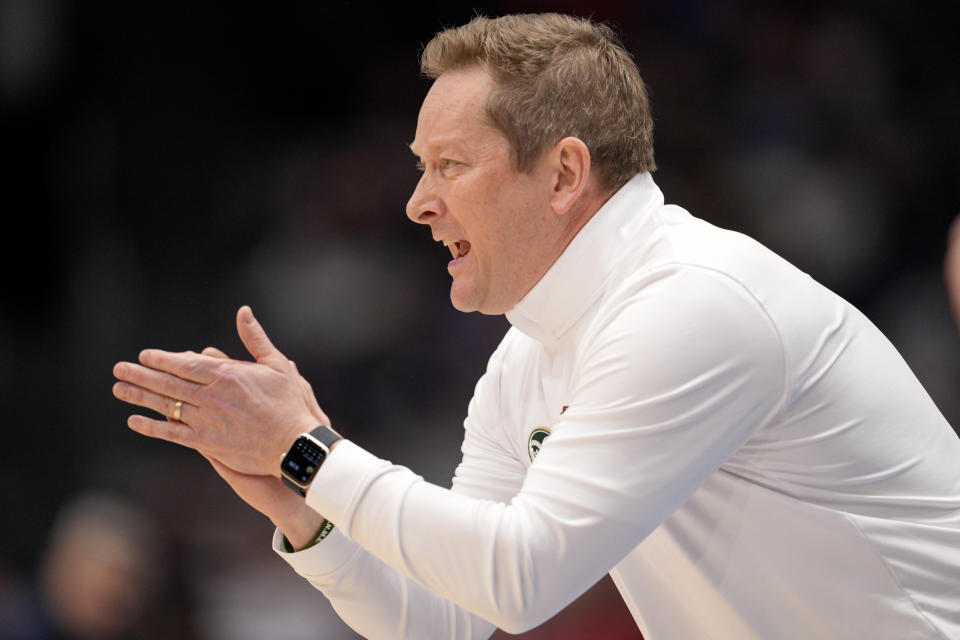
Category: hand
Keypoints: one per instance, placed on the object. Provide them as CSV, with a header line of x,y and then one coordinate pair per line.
x,y
243,414
288,511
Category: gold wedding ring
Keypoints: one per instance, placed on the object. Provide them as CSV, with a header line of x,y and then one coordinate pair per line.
x,y
177,408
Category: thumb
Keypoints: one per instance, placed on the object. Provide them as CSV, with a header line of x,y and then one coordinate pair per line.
x,y
255,339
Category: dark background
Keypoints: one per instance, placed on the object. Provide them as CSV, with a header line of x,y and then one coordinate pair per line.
x,y
166,163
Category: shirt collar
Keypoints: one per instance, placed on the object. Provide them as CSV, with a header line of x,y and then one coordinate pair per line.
x,y
575,281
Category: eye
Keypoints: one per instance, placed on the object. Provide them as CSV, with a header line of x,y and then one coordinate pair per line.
x,y
443,165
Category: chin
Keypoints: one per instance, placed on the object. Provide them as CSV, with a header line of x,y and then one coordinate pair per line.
x,y
464,303
469,300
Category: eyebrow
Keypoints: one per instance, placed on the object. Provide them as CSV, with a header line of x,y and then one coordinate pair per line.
x,y
444,143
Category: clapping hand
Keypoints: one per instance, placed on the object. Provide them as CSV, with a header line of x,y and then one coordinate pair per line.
x,y
242,414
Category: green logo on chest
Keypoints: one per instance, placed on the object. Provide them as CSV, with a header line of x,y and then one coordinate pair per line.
x,y
537,437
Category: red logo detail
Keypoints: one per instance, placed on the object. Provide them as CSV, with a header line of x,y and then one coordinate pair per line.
x,y
565,407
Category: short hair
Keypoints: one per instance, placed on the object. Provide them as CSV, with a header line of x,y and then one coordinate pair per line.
x,y
555,76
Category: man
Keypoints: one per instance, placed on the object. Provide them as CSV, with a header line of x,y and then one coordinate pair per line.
x,y
739,448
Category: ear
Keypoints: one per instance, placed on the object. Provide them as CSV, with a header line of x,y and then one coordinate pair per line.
x,y
571,164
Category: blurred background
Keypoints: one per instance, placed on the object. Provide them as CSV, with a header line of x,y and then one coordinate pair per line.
x,y
167,163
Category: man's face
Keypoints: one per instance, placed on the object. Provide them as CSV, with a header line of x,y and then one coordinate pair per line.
x,y
496,221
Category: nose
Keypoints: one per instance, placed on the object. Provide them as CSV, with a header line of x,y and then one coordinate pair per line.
x,y
424,205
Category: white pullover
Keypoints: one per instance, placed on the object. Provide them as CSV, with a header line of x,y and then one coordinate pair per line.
x,y
740,448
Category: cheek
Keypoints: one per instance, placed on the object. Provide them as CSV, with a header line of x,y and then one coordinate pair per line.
x,y
499,218
481,217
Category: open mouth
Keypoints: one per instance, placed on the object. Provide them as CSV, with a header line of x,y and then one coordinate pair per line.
x,y
458,248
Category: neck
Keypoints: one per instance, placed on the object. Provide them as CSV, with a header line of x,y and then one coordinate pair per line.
x,y
582,211
579,275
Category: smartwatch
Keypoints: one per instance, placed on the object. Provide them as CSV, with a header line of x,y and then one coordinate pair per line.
x,y
301,463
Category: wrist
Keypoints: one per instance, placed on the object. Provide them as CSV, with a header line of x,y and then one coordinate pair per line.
x,y
299,527
326,528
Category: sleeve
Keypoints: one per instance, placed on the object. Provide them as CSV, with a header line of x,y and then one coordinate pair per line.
x,y
668,385
376,600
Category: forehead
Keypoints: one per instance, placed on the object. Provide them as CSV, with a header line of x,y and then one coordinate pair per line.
x,y
452,113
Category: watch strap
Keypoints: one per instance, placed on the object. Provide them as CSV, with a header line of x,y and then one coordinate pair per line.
x,y
325,435
293,486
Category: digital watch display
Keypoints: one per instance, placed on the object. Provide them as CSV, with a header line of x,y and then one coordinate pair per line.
x,y
308,452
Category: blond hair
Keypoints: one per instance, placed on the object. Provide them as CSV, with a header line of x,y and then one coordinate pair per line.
x,y
555,76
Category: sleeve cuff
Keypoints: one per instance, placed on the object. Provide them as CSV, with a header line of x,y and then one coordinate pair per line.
x,y
322,560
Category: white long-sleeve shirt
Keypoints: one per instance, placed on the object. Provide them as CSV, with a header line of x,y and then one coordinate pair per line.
x,y
740,448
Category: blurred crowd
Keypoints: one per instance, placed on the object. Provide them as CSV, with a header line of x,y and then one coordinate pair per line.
x,y
166,165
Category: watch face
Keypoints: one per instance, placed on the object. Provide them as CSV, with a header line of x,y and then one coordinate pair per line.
x,y
302,461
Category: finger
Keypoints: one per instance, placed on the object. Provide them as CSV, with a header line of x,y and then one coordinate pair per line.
x,y
213,352
141,397
156,381
171,431
255,339
187,365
